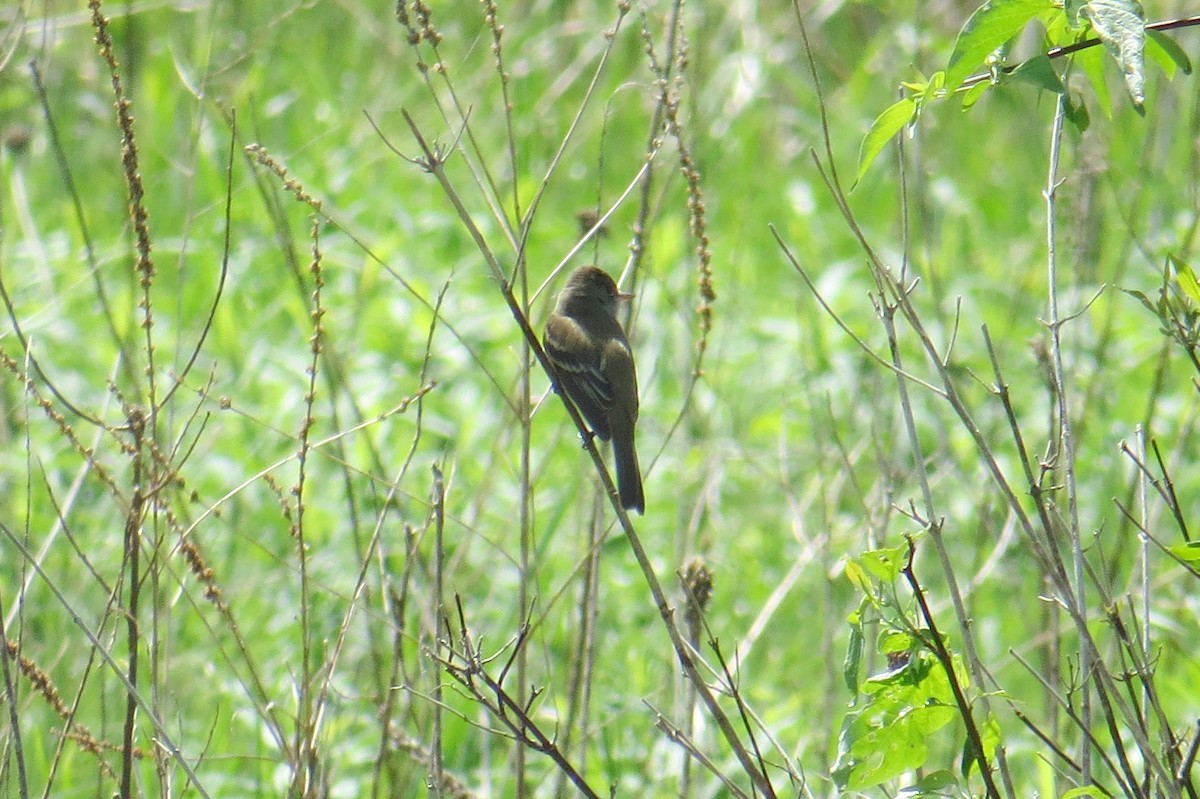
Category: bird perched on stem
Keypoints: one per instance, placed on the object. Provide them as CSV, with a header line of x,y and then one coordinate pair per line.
x,y
593,365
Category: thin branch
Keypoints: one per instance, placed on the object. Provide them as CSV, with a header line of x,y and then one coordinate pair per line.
x,y
938,646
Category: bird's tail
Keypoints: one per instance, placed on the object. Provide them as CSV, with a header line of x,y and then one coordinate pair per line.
x,y
629,476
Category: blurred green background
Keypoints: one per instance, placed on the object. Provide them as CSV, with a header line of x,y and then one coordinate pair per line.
x,y
786,457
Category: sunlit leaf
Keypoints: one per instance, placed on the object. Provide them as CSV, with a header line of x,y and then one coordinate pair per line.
x,y
992,24
882,752
1167,53
895,641
972,95
1188,553
857,577
1121,25
1058,31
1186,278
1071,11
884,564
885,126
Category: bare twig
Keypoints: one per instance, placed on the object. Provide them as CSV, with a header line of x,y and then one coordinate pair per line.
x,y
678,736
937,645
466,664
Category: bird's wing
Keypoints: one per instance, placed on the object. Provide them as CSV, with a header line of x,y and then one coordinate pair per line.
x,y
620,375
577,366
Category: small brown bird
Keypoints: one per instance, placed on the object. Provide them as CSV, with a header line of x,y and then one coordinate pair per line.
x,y
594,366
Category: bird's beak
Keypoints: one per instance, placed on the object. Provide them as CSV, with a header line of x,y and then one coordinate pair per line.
x,y
623,296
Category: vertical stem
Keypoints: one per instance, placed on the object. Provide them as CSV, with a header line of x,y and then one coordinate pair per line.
x,y
306,722
10,698
1066,444
439,599
525,404
133,524
575,724
1139,435
637,245
10,688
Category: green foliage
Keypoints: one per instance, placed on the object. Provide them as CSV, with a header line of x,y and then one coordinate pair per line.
x,y
303,442
1039,73
991,25
1167,53
1188,552
1080,792
1121,25
891,726
889,734
896,117
1177,305
977,62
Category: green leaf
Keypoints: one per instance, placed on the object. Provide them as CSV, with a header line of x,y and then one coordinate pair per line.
x,y
892,641
992,24
972,95
1059,31
875,753
989,734
1081,792
1141,297
1039,72
1071,11
1077,114
967,759
884,564
858,578
1189,286
885,126
1121,25
889,732
1167,53
1188,553
1091,61
901,671
1186,278
853,658
932,784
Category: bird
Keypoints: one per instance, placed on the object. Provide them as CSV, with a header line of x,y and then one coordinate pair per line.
x,y
593,365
